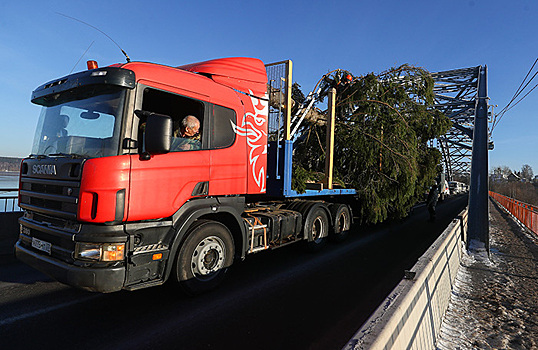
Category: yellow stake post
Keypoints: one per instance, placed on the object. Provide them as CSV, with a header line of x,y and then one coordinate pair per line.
x,y
329,154
287,122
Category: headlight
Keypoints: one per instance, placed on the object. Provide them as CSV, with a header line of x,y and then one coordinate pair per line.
x,y
100,252
89,251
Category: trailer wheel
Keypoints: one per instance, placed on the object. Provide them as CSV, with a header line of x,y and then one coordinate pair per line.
x,y
316,227
204,257
341,222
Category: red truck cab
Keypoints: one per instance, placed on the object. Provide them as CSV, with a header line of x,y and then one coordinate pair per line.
x,y
107,198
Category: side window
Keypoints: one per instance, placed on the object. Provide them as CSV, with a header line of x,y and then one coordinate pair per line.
x,y
222,133
187,116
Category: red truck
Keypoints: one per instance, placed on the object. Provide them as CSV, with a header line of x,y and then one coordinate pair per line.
x,y
110,204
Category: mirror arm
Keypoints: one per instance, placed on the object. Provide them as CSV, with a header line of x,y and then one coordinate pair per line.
x,y
145,156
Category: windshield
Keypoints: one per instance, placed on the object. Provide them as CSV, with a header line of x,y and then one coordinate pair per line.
x,y
81,123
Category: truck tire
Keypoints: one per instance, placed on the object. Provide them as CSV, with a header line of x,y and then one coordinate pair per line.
x,y
299,206
341,222
204,257
316,228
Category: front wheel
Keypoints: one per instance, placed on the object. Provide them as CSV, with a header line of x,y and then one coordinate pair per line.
x,y
204,257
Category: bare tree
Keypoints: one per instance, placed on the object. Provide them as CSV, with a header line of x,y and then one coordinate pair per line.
x,y
501,172
526,172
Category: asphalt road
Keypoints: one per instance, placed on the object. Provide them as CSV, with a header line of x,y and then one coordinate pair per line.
x,y
284,299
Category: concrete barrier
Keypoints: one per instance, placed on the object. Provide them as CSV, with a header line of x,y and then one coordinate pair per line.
x,y
9,232
411,316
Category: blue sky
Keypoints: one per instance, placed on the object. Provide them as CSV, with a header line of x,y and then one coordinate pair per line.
x,y
38,45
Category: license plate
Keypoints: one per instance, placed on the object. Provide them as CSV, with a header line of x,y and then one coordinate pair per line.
x,y
41,245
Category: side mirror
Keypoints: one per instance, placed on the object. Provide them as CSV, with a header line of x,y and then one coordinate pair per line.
x,y
158,135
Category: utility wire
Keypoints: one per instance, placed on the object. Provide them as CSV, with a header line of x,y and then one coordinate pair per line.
x,y
518,92
518,89
516,95
509,106
515,104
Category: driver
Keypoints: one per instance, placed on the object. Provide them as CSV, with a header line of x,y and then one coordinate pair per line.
x,y
187,137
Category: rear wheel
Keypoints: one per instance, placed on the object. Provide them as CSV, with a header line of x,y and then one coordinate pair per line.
x,y
341,222
204,257
316,227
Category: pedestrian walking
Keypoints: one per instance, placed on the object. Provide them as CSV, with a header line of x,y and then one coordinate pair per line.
x,y
431,202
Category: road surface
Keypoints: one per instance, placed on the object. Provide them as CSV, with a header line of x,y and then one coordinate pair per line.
x,y
284,299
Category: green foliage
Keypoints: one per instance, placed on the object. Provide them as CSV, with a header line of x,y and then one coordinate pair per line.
x,y
383,125
299,179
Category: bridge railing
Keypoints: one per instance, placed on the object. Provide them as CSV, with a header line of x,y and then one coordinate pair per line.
x,y
411,315
527,214
9,201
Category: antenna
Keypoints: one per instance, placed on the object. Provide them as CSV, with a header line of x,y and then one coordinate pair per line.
x,y
81,57
100,31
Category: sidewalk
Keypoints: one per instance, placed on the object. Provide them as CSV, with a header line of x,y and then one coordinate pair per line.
x,y
494,303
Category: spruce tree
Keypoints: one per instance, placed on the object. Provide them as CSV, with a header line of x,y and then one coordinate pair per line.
x,y
383,125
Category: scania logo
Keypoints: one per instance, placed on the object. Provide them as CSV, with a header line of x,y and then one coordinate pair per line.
x,y
44,169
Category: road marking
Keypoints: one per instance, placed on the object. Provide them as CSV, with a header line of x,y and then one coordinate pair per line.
x,y
34,313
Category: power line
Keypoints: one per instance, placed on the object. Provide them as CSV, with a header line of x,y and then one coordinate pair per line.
x,y
518,89
518,92
522,98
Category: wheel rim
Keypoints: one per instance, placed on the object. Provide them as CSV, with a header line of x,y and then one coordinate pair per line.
x,y
343,223
318,229
208,258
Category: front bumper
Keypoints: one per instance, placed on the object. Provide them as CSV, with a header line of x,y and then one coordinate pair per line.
x,y
104,280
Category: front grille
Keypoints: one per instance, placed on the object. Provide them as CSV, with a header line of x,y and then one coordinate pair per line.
x,y
44,188
50,196
49,192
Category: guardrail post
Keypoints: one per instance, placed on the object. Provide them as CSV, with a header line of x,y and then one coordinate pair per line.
x,y
478,233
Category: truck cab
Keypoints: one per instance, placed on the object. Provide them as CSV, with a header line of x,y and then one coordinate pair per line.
x,y
105,193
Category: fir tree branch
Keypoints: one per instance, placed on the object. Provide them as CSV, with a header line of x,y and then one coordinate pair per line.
x,y
386,104
387,147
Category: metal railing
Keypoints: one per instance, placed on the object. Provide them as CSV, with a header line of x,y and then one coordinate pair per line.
x,y
9,200
527,214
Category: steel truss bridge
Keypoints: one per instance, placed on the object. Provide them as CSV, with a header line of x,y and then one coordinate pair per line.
x,y
456,95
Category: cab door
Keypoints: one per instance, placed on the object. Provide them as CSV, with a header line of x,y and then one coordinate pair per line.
x,y
162,184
